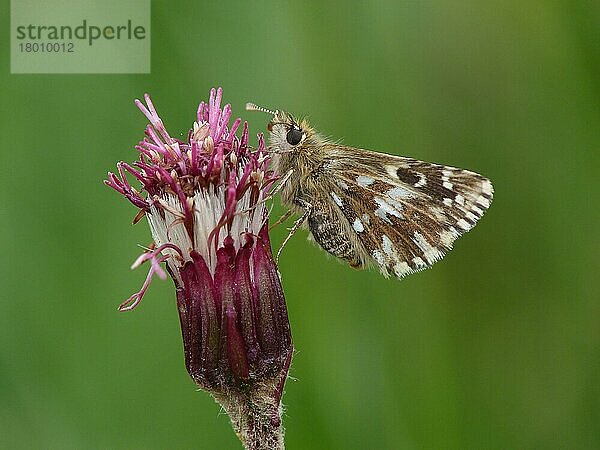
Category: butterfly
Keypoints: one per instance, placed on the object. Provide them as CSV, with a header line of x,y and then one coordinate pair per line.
x,y
368,208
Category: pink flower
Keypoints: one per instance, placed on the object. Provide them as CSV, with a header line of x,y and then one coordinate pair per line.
x,y
204,199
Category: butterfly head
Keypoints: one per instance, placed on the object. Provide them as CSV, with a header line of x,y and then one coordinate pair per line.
x,y
286,132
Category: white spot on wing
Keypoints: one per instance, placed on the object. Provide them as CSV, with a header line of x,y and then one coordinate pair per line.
x,y
336,199
459,199
392,170
486,187
421,242
378,256
387,245
483,201
419,262
422,180
447,238
448,185
448,201
401,269
385,208
477,210
438,213
366,219
382,215
358,225
399,193
463,224
364,181
472,217
431,253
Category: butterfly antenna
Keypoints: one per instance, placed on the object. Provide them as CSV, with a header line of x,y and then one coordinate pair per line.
x,y
253,107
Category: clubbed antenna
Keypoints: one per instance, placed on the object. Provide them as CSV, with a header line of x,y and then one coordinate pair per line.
x,y
253,107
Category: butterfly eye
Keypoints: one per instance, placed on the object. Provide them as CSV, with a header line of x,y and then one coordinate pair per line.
x,y
294,136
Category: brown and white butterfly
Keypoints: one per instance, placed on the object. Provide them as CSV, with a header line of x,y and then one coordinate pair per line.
x,y
365,207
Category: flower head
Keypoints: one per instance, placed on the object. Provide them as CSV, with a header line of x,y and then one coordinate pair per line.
x,y
204,199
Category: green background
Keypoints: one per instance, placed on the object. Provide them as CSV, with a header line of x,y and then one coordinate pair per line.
x,y
496,347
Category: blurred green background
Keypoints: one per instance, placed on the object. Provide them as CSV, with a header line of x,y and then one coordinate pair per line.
x,y
496,347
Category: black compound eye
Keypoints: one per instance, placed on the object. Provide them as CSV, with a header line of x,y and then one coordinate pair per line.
x,y
294,136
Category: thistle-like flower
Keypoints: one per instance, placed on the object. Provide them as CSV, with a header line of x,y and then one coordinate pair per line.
x,y
204,199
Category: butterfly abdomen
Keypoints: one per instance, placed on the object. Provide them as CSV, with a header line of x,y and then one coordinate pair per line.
x,y
331,236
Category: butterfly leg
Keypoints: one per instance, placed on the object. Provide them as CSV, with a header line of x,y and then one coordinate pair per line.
x,y
281,183
308,208
281,219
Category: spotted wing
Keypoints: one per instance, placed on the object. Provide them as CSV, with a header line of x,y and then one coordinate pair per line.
x,y
406,213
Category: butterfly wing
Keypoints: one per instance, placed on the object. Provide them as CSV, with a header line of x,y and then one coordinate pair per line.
x,y
406,213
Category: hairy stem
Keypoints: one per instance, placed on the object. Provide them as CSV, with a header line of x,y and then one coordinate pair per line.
x,y
255,416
